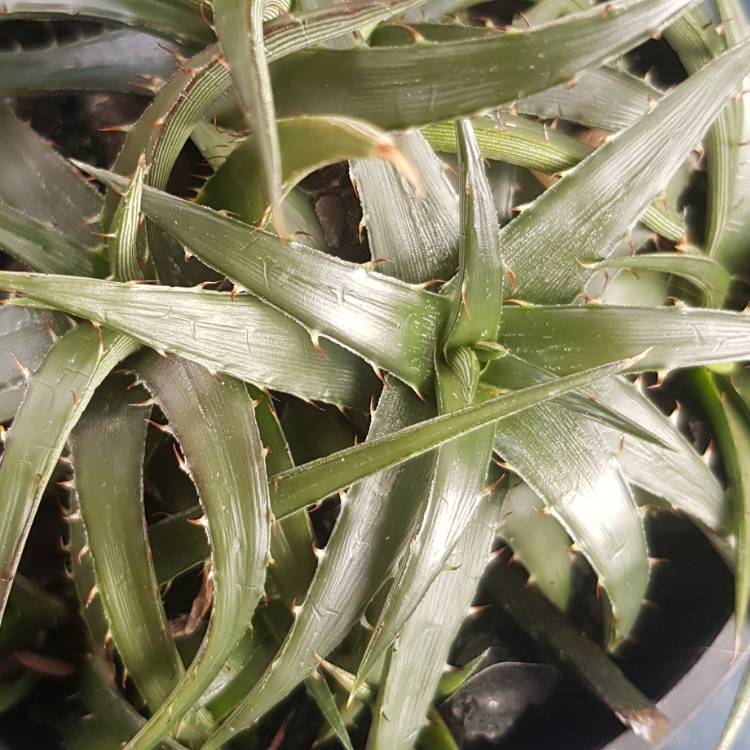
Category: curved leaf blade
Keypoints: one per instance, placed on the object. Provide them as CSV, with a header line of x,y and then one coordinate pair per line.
x,y
25,338
240,336
414,667
225,460
475,315
180,20
43,185
710,278
567,338
122,60
110,501
402,87
539,543
307,144
624,175
385,321
520,141
239,27
75,366
44,248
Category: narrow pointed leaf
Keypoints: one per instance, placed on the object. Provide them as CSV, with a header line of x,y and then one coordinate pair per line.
x,y
180,20
512,372
458,484
240,336
518,140
673,470
413,240
307,144
711,279
25,338
575,652
110,501
110,719
414,666
401,87
123,245
371,531
584,490
618,181
215,425
603,98
56,396
476,311
43,185
567,338
728,151
122,60
732,433
239,27
315,480
539,543
384,320
45,248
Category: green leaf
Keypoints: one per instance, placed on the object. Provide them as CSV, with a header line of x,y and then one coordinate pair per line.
x,y
107,449
476,311
512,372
307,144
401,87
240,336
109,719
539,543
673,471
239,27
122,60
520,141
710,278
414,665
413,240
728,152
124,243
207,79
567,338
44,248
386,321
561,457
543,622
604,98
317,479
56,396
179,20
224,459
609,191
732,433
384,507
458,484
25,338
43,185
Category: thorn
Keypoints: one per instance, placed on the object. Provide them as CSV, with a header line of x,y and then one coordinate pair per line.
x,y
161,427
92,595
25,372
181,462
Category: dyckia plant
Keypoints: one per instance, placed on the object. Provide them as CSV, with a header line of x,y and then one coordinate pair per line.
x,y
485,361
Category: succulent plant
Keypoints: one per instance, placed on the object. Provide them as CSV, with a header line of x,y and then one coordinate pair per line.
x,y
528,260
